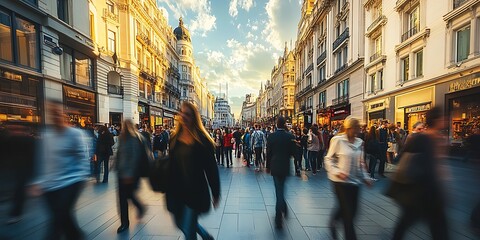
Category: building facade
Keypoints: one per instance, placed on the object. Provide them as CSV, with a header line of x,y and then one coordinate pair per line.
x,y
329,62
46,52
421,57
248,114
222,114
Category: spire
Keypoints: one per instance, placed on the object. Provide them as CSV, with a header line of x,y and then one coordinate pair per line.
x,y
286,49
180,21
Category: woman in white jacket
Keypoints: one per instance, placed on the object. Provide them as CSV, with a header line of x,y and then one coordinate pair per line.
x,y
346,169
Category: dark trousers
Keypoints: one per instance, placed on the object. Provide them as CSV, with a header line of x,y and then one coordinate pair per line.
x,y
105,160
382,156
125,192
321,152
21,178
186,220
219,154
60,204
347,198
312,158
297,160
258,156
247,155
227,151
372,164
305,157
434,215
281,205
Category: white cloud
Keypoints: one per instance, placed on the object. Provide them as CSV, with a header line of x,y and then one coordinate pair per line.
x,y
244,4
203,20
282,22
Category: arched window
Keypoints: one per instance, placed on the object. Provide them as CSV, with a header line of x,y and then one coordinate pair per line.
x,y
183,51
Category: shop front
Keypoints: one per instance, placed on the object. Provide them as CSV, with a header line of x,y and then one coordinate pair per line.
x,y
376,112
412,107
168,119
19,94
338,116
323,116
80,106
144,114
463,108
156,117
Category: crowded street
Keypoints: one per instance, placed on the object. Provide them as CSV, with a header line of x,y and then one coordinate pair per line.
x,y
247,209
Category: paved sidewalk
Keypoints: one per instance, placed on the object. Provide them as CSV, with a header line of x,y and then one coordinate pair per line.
x,y
248,207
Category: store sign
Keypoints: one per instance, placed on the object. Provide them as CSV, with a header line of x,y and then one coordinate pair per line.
x,y
418,108
155,112
376,105
78,95
466,83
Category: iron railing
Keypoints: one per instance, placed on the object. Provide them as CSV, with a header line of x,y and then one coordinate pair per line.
x,y
410,32
340,39
340,100
458,3
115,89
321,57
375,56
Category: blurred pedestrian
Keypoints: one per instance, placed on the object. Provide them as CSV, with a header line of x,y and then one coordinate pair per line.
x,y
394,143
192,172
228,142
103,151
247,154
237,135
372,149
129,151
218,139
418,187
258,143
382,134
313,147
298,152
346,169
304,143
63,167
280,149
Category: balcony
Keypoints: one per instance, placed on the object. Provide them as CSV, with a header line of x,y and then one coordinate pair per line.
x,y
340,69
340,100
308,70
321,105
322,81
115,89
321,57
381,20
144,38
107,15
458,3
375,56
412,31
340,39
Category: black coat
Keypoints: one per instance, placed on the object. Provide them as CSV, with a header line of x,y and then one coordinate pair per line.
x,y
104,144
280,148
188,184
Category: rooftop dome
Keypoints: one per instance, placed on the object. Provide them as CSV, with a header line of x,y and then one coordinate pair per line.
x,y
181,32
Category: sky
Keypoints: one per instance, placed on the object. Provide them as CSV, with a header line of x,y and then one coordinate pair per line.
x,y
236,41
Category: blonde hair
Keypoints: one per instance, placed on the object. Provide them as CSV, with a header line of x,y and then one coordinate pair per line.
x,y
198,131
128,129
350,122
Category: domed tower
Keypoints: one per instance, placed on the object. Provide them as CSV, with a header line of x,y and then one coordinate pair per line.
x,y
186,63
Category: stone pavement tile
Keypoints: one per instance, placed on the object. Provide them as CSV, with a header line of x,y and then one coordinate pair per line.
x,y
318,233
311,220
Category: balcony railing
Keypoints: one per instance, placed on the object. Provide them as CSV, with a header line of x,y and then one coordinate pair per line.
x,y
142,36
340,100
115,89
340,69
109,15
321,105
458,3
376,22
340,39
322,81
309,69
375,56
412,31
321,57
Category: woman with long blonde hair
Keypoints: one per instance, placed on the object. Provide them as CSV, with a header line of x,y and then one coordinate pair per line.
x,y
192,158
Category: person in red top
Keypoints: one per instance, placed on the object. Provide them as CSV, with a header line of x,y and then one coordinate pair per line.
x,y
228,146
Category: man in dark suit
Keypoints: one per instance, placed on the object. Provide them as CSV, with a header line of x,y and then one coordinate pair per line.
x,y
382,139
280,149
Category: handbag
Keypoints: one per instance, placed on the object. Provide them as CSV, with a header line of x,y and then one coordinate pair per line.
x,y
159,173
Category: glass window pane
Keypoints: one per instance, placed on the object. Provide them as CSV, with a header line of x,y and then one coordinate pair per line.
x,y
66,64
463,44
27,43
419,63
82,69
380,80
5,37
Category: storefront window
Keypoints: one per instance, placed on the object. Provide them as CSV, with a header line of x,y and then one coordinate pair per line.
x,y
82,69
5,37
27,43
464,117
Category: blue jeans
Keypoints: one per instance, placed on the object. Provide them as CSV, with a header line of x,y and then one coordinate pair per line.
x,y
186,220
312,157
281,205
305,157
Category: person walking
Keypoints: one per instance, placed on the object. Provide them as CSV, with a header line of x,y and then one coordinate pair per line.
x,y
322,149
313,148
372,149
258,143
160,141
383,141
345,165
63,168
218,139
237,135
103,151
247,155
131,144
228,141
298,152
304,143
418,188
193,174
280,149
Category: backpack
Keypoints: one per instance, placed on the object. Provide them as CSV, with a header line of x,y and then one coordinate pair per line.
x,y
146,157
257,139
